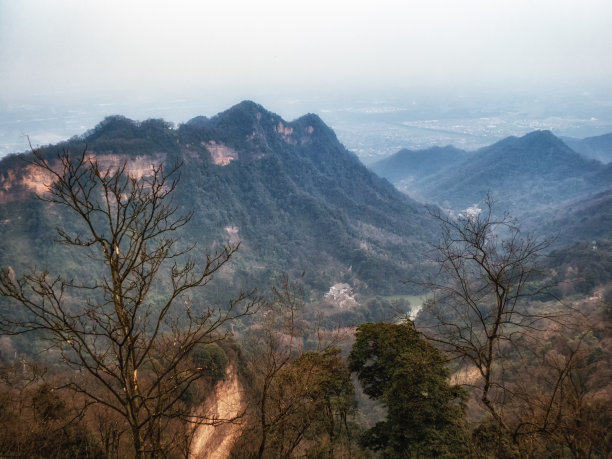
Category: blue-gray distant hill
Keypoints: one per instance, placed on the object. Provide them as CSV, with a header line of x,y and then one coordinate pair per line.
x,y
406,166
585,219
599,147
524,174
298,201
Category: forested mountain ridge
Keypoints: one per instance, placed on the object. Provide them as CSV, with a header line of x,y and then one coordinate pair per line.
x,y
408,165
524,174
298,201
585,219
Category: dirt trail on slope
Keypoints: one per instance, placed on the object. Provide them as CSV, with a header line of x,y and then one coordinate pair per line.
x,y
226,402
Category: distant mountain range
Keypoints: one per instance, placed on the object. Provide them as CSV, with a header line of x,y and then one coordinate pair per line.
x,y
298,201
533,176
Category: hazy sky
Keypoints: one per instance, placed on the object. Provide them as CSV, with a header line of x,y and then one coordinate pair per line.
x,y
240,48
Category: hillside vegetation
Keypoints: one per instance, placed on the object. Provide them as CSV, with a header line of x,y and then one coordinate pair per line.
x,y
242,286
294,197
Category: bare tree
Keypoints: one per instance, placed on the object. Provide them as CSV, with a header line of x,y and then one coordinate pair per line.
x,y
130,332
478,312
36,421
299,399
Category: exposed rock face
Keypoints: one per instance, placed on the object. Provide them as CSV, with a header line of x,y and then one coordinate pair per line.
x,y
16,183
224,406
221,154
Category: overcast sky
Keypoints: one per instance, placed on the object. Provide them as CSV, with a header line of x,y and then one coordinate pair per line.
x,y
243,47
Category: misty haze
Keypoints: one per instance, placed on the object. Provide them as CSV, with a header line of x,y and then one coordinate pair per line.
x,y
330,229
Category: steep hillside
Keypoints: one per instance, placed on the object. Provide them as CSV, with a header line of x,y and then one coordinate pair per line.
x,y
298,201
588,219
406,166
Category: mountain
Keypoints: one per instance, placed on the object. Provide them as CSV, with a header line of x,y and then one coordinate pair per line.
x,y
586,219
599,147
582,228
298,201
525,174
406,166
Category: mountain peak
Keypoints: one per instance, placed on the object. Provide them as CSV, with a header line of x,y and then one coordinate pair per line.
x,y
311,123
248,105
537,144
262,128
540,133
245,113
247,109
543,135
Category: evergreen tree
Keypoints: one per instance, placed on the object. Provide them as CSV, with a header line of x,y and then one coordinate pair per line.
x,y
408,375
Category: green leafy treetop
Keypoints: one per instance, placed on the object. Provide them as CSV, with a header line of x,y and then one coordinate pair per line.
x,y
408,375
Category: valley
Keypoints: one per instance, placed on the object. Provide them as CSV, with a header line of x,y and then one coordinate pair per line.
x,y
465,274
